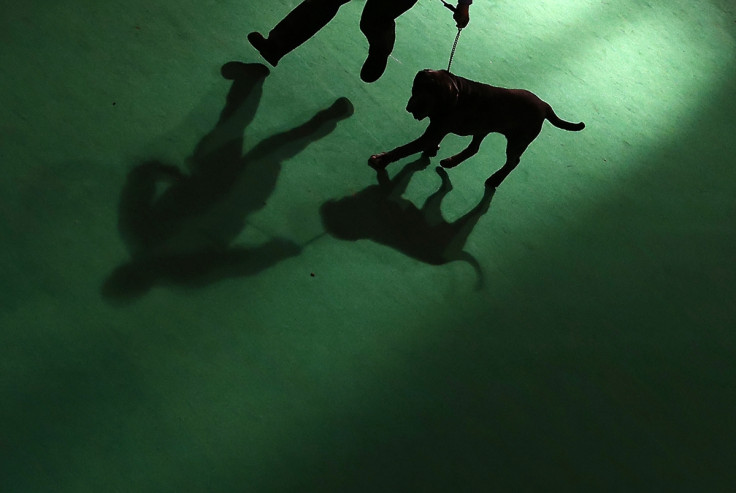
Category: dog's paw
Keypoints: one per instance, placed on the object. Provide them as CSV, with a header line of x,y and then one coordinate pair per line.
x,y
431,152
448,163
378,161
493,182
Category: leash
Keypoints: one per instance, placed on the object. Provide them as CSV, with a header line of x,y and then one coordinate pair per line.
x,y
457,37
454,45
449,6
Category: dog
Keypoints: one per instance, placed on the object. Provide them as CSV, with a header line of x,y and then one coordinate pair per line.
x,y
464,107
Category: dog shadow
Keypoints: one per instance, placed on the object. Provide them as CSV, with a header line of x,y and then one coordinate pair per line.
x,y
379,213
179,227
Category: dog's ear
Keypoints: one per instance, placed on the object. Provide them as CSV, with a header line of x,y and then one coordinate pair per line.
x,y
424,78
447,85
441,88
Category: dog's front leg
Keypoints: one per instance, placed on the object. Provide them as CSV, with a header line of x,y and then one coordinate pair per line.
x,y
429,142
461,156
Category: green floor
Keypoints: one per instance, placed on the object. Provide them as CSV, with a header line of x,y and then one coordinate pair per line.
x,y
227,340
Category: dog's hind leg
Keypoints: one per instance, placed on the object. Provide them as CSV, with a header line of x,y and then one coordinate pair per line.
x,y
515,147
461,156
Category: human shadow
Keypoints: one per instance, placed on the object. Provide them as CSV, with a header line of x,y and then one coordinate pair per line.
x,y
179,227
379,213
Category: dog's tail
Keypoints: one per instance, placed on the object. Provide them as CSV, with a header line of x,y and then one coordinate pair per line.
x,y
560,123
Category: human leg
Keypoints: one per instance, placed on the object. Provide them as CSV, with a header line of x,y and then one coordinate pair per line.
x,y
378,24
297,27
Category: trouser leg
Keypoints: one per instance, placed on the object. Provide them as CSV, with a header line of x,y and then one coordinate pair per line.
x,y
378,24
297,27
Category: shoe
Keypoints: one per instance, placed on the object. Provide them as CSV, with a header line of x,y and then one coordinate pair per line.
x,y
262,45
373,67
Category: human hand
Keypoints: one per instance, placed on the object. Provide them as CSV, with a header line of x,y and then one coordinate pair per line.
x,y
462,15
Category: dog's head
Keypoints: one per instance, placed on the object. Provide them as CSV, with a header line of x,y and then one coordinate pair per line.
x,y
433,92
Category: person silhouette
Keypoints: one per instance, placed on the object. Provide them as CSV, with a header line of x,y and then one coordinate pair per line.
x,y
378,24
182,228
